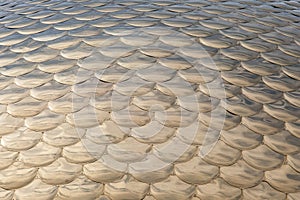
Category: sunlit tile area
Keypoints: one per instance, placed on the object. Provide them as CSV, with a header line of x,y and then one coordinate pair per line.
x,y
154,100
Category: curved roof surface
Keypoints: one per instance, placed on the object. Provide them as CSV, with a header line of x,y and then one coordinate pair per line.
x,y
154,99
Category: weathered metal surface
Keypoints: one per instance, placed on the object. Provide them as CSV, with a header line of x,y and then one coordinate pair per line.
x,y
154,99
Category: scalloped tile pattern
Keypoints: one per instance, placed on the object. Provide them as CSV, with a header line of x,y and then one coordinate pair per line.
x,y
159,99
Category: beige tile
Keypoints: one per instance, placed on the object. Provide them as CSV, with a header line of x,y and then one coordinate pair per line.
x,y
114,74
263,123
258,45
9,123
91,87
134,86
49,91
59,172
50,66
26,46
37,27
175,62
197,134
6,194
138,39
222,154
160,14
13,39
172,188
128,150
260,67
105,170
150,170
36,190
281,82
241,77
33,79
255,27
16,176
176,40
196,171
198,102
106,133
30,105
110,101
198,74
261,93
220,62
283,111
40,155
8,57
241,137
280,58
46,120
197,51
174,150
275,38
263,158
48,35
7,158
239,53
149,100
21,139
199,31
77,51
284,179
86,14
293,128
283,142
293,196
132,116
292,71
73,76
216,24
53,19
175,117
241,170
17,68
157,49
153,101
80,188
153,132
85,151
263,190
68,25
293,161
109,22
128,188
217,41
177,87
241,105
63,42
220,119
135,60
95,61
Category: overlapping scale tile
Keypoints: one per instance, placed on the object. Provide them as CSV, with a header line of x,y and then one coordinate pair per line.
x,y
149,100
80,188
263,190
128,188
172,188
17,175
59,172
218,189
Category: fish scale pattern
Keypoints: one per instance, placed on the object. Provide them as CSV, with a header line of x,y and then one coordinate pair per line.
x,y
95,93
